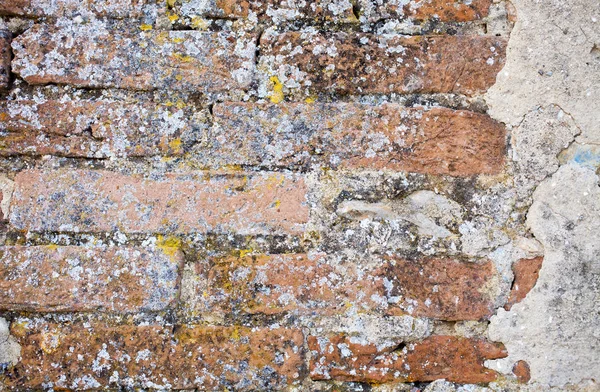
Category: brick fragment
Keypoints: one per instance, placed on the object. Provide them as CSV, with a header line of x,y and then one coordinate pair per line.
x,y
526,272
5,58
455,359
97,356
522,372
92,55
350,135
349,63
98,128
103,201
72,278
442,10
301,284
86,8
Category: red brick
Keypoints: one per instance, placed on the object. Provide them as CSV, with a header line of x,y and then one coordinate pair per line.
x,y
5,58
59,8
72,278
455,359
299,284
522,372
274,11
526,273
97,128
82,356
350,135
442,10
349,63
71,200
90,55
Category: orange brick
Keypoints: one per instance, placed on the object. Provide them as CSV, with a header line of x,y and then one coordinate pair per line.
x,y
442,10
349,63
526,273
72,278
95,355
97,128
90,55
296,283
455,359
103,201
350,135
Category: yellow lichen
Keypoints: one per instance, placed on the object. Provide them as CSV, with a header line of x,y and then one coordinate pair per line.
x,y
310,99
52,247
171,3
277,203
235,334
199,23
178,77
245,252
175,145
168,245
277,95
145,27
177,40
173,18
182,57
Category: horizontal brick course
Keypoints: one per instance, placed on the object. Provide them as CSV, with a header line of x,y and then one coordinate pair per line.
x,y
98,128
437,288
97,355
72,278
349,63
442,10
92,55
58,8
275,11
455,359
349,135
73,200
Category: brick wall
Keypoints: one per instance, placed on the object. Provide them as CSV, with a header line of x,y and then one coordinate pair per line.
x,y
253,195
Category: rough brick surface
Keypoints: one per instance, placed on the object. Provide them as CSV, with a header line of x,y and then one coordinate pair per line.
x,y
526,275
72,278
388,136
442,10
348,63
100,201
58,8
98,128
92,55
461,360
5,58
93,355
276,11
302,284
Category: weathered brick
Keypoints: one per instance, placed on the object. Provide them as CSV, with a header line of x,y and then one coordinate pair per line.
x,y
455,359
275,11
59,8
97,128
526,272
92,55
100,201
442,10
297,283
5,58
522,371
82,356
72,278
350,135
305,63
